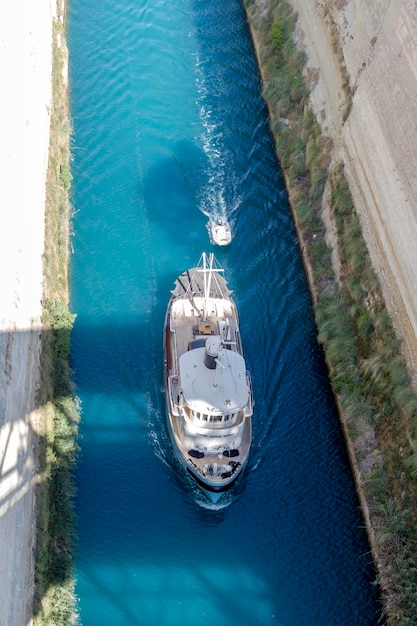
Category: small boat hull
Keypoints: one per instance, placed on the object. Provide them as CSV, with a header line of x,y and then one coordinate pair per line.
x,y
220,232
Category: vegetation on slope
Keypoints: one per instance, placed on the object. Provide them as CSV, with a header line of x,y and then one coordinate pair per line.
x,y
378,406
54,601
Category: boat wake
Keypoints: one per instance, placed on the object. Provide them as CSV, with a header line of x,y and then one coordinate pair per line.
x,y
218,197
226,501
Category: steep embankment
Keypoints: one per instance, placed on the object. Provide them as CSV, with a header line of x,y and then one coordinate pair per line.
x,y
358,80
25,61
362,62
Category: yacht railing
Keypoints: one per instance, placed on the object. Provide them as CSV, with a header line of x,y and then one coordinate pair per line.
x,y
249,406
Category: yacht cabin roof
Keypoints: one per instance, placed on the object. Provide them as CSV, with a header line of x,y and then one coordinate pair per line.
x,y
213,391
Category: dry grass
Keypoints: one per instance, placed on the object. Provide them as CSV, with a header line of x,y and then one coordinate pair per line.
x,y
54,601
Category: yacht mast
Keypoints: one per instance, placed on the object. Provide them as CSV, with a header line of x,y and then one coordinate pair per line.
x,y
207,270
207,286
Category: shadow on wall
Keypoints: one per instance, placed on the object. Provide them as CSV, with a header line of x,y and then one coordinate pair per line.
x,y
36,463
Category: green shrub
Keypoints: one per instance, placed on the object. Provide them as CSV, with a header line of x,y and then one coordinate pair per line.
x,y
276,37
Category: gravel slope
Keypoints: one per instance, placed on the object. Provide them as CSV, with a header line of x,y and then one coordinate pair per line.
x,y
25,70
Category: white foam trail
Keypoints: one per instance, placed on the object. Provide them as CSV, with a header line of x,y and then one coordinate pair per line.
x,y
212,200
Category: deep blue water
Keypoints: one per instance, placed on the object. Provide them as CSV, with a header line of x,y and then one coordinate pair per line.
x,y
169,127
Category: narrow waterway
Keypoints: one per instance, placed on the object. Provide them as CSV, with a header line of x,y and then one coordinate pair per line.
x,y
170,127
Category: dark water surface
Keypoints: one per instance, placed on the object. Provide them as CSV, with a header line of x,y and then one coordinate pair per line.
x,y
170,127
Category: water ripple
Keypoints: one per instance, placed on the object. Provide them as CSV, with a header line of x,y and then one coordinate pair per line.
x,y
169,128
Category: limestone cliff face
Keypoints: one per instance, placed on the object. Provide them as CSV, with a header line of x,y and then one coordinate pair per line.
x,y
364,57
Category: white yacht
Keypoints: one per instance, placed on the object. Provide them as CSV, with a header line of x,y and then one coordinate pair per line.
x,y
208,388
220,232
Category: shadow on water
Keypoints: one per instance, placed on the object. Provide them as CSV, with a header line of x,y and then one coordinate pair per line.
x,y
131,492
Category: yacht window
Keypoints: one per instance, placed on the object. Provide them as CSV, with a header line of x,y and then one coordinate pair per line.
x,y
217,418
205,417
198,415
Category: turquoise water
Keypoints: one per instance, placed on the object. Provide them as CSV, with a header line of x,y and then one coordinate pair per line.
x,y
170,127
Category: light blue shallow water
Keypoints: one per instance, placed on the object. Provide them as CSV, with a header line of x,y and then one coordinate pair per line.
x,y
169,127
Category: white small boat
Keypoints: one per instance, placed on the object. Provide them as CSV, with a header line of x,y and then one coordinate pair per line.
x,y
208,389
220,232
